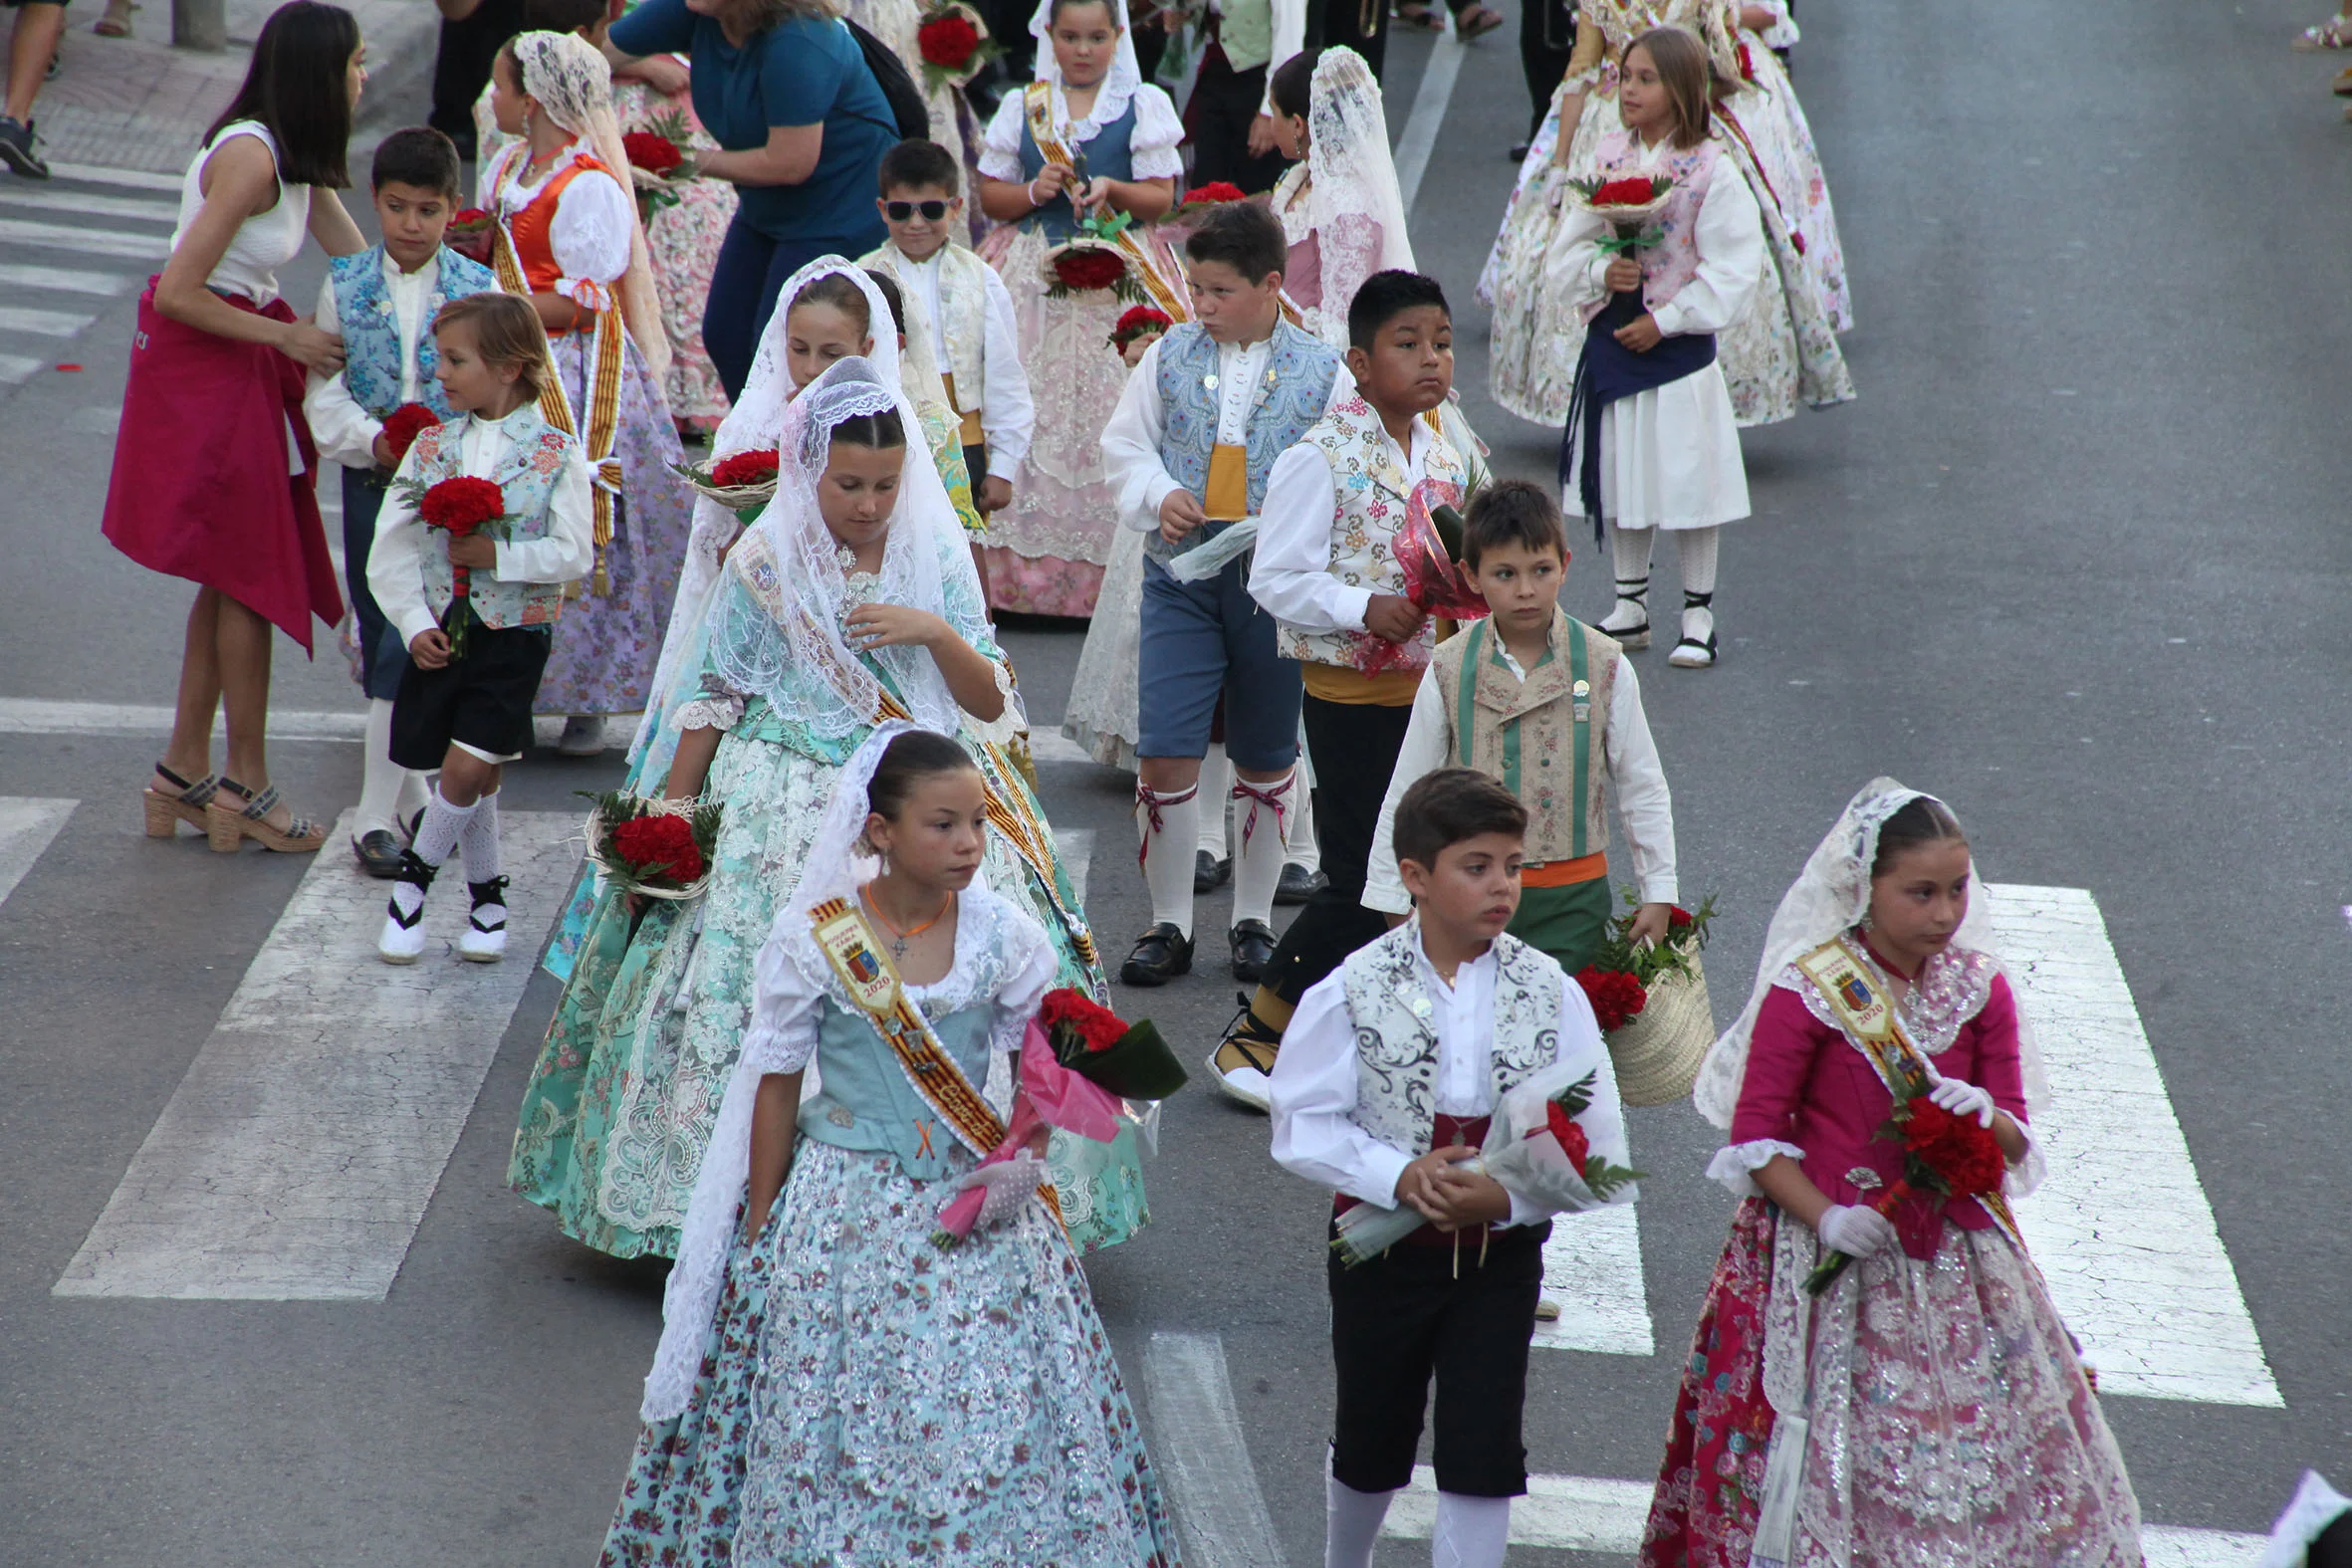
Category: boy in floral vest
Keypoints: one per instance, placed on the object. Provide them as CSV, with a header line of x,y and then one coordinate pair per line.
x,y
1326,570
1549,707
489,517
1390,1072
1207,412
382,301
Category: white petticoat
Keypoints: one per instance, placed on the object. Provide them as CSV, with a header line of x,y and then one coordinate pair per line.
x,y
1669,457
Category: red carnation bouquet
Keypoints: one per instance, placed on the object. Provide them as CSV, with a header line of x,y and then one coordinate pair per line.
x,y
458,506
954,43
1086,265
1216,193
468,234
1628,205
659,848
1536,1148
740,481
1138,320
660,163
1944,1157
403,425
1622,973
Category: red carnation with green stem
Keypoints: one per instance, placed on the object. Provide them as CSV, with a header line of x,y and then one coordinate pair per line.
x,y
953,43
403,425
1944,1157
458,506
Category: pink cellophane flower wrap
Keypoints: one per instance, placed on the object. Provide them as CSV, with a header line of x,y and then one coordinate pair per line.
x,y
1049,1095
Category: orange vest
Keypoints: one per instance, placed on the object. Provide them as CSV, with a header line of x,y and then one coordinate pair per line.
x,y
535,249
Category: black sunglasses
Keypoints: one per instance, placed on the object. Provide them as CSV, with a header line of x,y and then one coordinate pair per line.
x,y
900,211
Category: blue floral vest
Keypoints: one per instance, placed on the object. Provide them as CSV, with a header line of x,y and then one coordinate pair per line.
x,y
865,1102
1106,154
372,330
1299,376
526,474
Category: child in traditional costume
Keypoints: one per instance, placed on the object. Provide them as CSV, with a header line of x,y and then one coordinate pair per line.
x,y
1878,1375
567,236
381,304
942,431
834,1384
849,600
1651,440
1089,138
1393,1072
1231,115
1340,203
1327,570
1209,410
1549,707
477,606
215,476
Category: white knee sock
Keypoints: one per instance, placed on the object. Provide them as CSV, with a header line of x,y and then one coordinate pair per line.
x,y
1305,851
1171,829
1261,820
1472,1533
1351,1524
479,842
1629,559
436,841
1694,548
1215,781
382,781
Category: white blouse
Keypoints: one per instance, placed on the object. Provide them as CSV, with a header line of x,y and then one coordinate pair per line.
x,y
1151,148
590,231
262,243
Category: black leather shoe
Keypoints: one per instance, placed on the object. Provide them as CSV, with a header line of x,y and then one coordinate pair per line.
x,y
1253,950
1161,953
378,852
1519,151
1299,884
1208,872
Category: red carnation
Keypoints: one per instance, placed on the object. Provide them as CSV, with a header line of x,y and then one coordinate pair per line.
x,y
1956,1148
948,41
1211,194
1089,270
468,234
654,155
1633,192
1747,64
403,425
1616,997
1570,1134
744,468
1066,1012
1137,320
1677,917
462,505
469,218
659,848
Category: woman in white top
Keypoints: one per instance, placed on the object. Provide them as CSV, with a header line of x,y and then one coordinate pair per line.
x,y
214,468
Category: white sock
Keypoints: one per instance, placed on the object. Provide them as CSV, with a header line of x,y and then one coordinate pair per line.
x,y
1472,1533
437,834
1260,820
1351,1523
382,781
1629,559
1215,781
1695,549
1305,851
479,842
1171,829
415,795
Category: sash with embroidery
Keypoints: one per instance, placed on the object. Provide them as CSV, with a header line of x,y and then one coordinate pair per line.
x,y
1037,101
1868,1019
603,391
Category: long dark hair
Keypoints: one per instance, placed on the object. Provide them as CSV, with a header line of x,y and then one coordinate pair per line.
x,y
295,87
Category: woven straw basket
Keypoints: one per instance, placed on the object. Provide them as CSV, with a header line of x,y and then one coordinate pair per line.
x,y
1657,1056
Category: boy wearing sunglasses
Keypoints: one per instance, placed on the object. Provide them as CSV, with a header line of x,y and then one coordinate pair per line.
x,y
957,301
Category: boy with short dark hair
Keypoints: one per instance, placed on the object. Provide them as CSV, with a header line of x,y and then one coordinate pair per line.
x,y
1326,570
382,301
959,303
1550,707
1390,1073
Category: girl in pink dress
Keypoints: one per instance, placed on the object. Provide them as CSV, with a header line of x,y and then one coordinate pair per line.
x,y
1928,1408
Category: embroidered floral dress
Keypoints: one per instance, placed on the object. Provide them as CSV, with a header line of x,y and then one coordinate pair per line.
x,y
1949,1420
867,1400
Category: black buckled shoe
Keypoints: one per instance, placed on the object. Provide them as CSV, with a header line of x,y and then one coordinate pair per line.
x,y
1253,948
1161,953
1208,872
379,853
1299,884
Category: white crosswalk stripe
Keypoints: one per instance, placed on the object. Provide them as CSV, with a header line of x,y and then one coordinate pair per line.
x,y
43,323
127,179
95,242
1592,1270
60,280
95,206
28,825
15,367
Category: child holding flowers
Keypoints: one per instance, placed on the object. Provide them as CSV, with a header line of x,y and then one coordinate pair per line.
x,y
508,495
1835,1417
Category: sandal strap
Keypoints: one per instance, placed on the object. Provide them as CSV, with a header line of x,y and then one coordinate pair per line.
x,y
1635,591
404,922
262,805
490,892
414,871
1692,600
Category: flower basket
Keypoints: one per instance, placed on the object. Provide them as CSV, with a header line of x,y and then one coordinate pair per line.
x,y
1658,1052
740,481
659,164
1087,265
1200,199
954,43
1627,211
690,853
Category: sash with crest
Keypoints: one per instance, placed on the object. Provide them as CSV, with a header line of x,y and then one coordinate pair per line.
x,y
1036,102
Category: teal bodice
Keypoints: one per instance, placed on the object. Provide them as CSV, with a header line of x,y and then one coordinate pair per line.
x,y
866,1103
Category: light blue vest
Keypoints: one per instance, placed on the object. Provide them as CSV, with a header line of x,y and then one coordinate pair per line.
x,y
867,1103
1299,376
1106,154
527,477
371,328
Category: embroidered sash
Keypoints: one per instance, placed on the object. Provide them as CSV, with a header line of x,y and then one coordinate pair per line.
x,y
1011,813
1036,102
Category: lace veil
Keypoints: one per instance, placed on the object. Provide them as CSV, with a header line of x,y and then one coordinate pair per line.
x,y
1352,197
574,84
1828,898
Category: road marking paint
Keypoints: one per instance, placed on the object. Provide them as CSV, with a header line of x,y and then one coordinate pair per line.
x,y
42,323
93,242
1052,746
2121,1228
1593,1268
1075,846
62,280
1580,1513
28,825
1428,117
15,367
129,179
1197,1442
41,716
94,205
298,1156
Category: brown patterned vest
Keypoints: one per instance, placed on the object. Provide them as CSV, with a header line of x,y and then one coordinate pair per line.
x,y
1545,737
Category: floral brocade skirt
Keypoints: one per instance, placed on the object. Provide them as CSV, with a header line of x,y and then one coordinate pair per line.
x,y
866,1400
1950,1425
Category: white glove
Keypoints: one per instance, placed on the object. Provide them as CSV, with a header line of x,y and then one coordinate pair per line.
x,y
1855,1231
1009,1185
1964,1100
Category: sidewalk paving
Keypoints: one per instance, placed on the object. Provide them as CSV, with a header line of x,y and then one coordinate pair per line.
x,y
139,104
